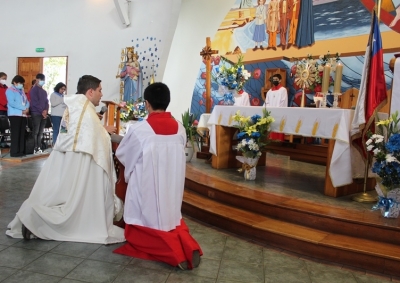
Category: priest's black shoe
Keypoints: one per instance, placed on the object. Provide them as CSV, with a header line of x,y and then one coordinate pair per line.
x,y
26,233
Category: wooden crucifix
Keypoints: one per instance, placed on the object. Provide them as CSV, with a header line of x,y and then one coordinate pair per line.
x,y
206,53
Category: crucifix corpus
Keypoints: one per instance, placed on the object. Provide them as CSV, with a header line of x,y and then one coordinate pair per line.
x,y
206,53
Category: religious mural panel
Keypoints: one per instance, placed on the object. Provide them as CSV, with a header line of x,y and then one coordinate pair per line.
x,y
275,33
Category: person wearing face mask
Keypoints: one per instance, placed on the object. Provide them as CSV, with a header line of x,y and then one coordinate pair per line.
x,y
3,105
39,109
276,97
57,108
18,109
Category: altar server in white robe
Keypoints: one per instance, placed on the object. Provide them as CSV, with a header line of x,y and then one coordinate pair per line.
x,y
153,155
73,197
241,98
276,97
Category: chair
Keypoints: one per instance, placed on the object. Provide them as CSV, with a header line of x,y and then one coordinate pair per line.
x,y
5,128
47,138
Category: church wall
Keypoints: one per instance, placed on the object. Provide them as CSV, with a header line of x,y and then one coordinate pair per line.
x,y
197,20
90,33
339,26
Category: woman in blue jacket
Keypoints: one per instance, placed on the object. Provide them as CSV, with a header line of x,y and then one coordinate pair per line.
x,y
18,109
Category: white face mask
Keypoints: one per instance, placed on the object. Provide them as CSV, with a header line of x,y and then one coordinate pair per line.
x,y
3,82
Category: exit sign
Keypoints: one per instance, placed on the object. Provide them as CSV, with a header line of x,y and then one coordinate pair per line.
x,y
40,49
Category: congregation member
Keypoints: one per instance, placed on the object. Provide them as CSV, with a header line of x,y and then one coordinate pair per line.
x,y
73,198
57,108
28,94
17,111
3,106
39,109
276,97
153,154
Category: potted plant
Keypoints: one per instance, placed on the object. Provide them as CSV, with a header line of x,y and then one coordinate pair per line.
x,y
385,148
189,123
252,139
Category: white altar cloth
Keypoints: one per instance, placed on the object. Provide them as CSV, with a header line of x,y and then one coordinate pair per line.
x,y
202,126
325,123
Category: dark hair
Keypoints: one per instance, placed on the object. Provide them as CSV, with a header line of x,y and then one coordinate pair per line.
x,y
18,79
2,74
277,76
87,82
158,95
58,86
33,82
40,77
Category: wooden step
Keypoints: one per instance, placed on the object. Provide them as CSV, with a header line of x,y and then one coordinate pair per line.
x,y
330,219
361,253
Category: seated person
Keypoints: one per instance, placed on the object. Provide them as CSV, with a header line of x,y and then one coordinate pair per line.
x,y
276,97
153,154
73,197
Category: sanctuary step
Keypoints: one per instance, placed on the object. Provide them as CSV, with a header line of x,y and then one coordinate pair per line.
x,y
322,231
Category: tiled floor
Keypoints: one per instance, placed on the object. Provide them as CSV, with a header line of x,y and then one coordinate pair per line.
x,y
226,258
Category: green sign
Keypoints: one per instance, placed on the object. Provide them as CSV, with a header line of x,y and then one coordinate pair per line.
x,y
40,49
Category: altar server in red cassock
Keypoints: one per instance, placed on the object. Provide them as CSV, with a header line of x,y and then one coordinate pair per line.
x,y
153,154
276,97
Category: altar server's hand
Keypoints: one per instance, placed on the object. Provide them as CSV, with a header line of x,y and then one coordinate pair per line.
x,y
111,129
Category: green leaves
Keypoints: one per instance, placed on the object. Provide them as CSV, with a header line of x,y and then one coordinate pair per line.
x,y
187,122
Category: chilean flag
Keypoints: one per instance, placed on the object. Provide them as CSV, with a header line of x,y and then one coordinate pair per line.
x,y
372,95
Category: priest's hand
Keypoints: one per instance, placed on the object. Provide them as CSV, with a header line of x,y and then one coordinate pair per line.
x,y
111,129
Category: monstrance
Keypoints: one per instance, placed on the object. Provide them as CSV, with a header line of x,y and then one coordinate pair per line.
x,y
305,77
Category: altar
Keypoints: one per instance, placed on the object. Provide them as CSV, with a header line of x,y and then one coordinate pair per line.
x,y
327,123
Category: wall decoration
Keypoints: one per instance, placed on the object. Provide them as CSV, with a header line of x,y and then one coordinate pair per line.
x,y
326,22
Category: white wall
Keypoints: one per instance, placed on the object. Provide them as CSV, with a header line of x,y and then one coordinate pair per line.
x,y
197,20
89,32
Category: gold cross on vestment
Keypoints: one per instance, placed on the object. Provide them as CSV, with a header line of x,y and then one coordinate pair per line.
x,y
206,53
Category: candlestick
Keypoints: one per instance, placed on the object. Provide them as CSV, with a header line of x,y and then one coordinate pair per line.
x,y
326,77
338,78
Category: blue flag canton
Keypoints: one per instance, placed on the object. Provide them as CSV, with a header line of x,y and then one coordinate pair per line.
x,y
376,38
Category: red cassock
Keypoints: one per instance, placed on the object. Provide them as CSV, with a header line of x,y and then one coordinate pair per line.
x,y
172,247
276,136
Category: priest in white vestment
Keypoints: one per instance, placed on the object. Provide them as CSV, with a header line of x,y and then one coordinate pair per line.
x,y
153,154
73,197
276,97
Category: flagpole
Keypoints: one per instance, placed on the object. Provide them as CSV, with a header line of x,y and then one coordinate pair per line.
x,y
366,196
378,13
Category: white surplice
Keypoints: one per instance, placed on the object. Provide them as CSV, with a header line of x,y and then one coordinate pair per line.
x,y
276,98
153,202
73,197
242,99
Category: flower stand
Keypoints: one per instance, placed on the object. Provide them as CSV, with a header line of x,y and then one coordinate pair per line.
x,y
389,201
248,167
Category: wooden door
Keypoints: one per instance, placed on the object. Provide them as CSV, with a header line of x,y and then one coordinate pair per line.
x,y
28,68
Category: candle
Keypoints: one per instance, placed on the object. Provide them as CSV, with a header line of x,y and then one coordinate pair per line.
x,y
325,78
338,78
